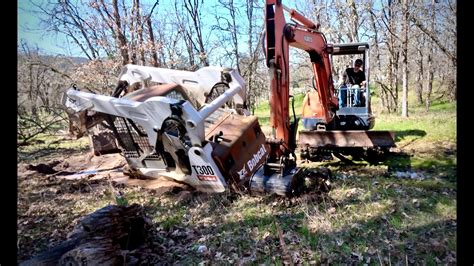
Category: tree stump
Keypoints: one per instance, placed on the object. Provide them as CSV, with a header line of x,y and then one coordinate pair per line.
x,y
100,238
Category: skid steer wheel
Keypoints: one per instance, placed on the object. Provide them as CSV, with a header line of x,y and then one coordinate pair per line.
x,y
217,91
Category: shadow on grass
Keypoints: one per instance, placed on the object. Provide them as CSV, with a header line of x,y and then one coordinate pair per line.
x,y
390,233
416,243
398,161
395,161
402,134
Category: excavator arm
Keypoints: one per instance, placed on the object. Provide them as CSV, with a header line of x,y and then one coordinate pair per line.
x,y
304,35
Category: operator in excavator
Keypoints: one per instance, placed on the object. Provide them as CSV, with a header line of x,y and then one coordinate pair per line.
x,y
353,79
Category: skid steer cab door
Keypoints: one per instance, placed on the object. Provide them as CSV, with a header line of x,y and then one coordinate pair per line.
x,y
354,111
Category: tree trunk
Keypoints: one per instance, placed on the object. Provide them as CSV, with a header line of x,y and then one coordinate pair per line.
x,y
140,31
393,57
235,39
193,10
99,238
396,80
420,74
392,87
121,39
429,80
405,60
429,87
378,62
354,19
251,70
151,36
154,55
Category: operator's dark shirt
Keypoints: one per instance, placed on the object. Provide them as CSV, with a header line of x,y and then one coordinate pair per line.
x,y
354,78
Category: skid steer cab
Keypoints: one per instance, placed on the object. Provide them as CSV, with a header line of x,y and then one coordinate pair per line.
x,y
188,126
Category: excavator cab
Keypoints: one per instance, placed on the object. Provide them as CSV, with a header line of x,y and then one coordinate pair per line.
x,y
349,132
352,115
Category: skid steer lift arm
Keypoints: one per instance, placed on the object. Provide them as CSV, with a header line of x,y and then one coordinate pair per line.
x,y
151,113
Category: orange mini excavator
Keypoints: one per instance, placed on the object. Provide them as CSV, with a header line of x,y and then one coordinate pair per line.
x,y
329,129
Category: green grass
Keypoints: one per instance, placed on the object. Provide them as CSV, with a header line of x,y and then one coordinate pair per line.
x,y
396,221
50,145
312,238
366,213
436,125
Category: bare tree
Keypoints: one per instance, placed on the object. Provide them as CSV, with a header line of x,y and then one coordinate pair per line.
x,y
115,25
151,37
389,19
66,18
440,32
429,80
228,26
188,32
405,59
252,87
354,21
377,70
421,70
139,28
113,33
194,28
40,82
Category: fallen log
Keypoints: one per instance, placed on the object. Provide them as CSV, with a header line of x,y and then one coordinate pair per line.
x,y
103,237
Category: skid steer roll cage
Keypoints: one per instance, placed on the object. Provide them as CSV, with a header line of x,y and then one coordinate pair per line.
x,y
151,113
146,113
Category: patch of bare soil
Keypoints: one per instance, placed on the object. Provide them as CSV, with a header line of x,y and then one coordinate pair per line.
x,y
53,195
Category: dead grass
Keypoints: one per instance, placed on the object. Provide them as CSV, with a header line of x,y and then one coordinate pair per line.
x,y
371,216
